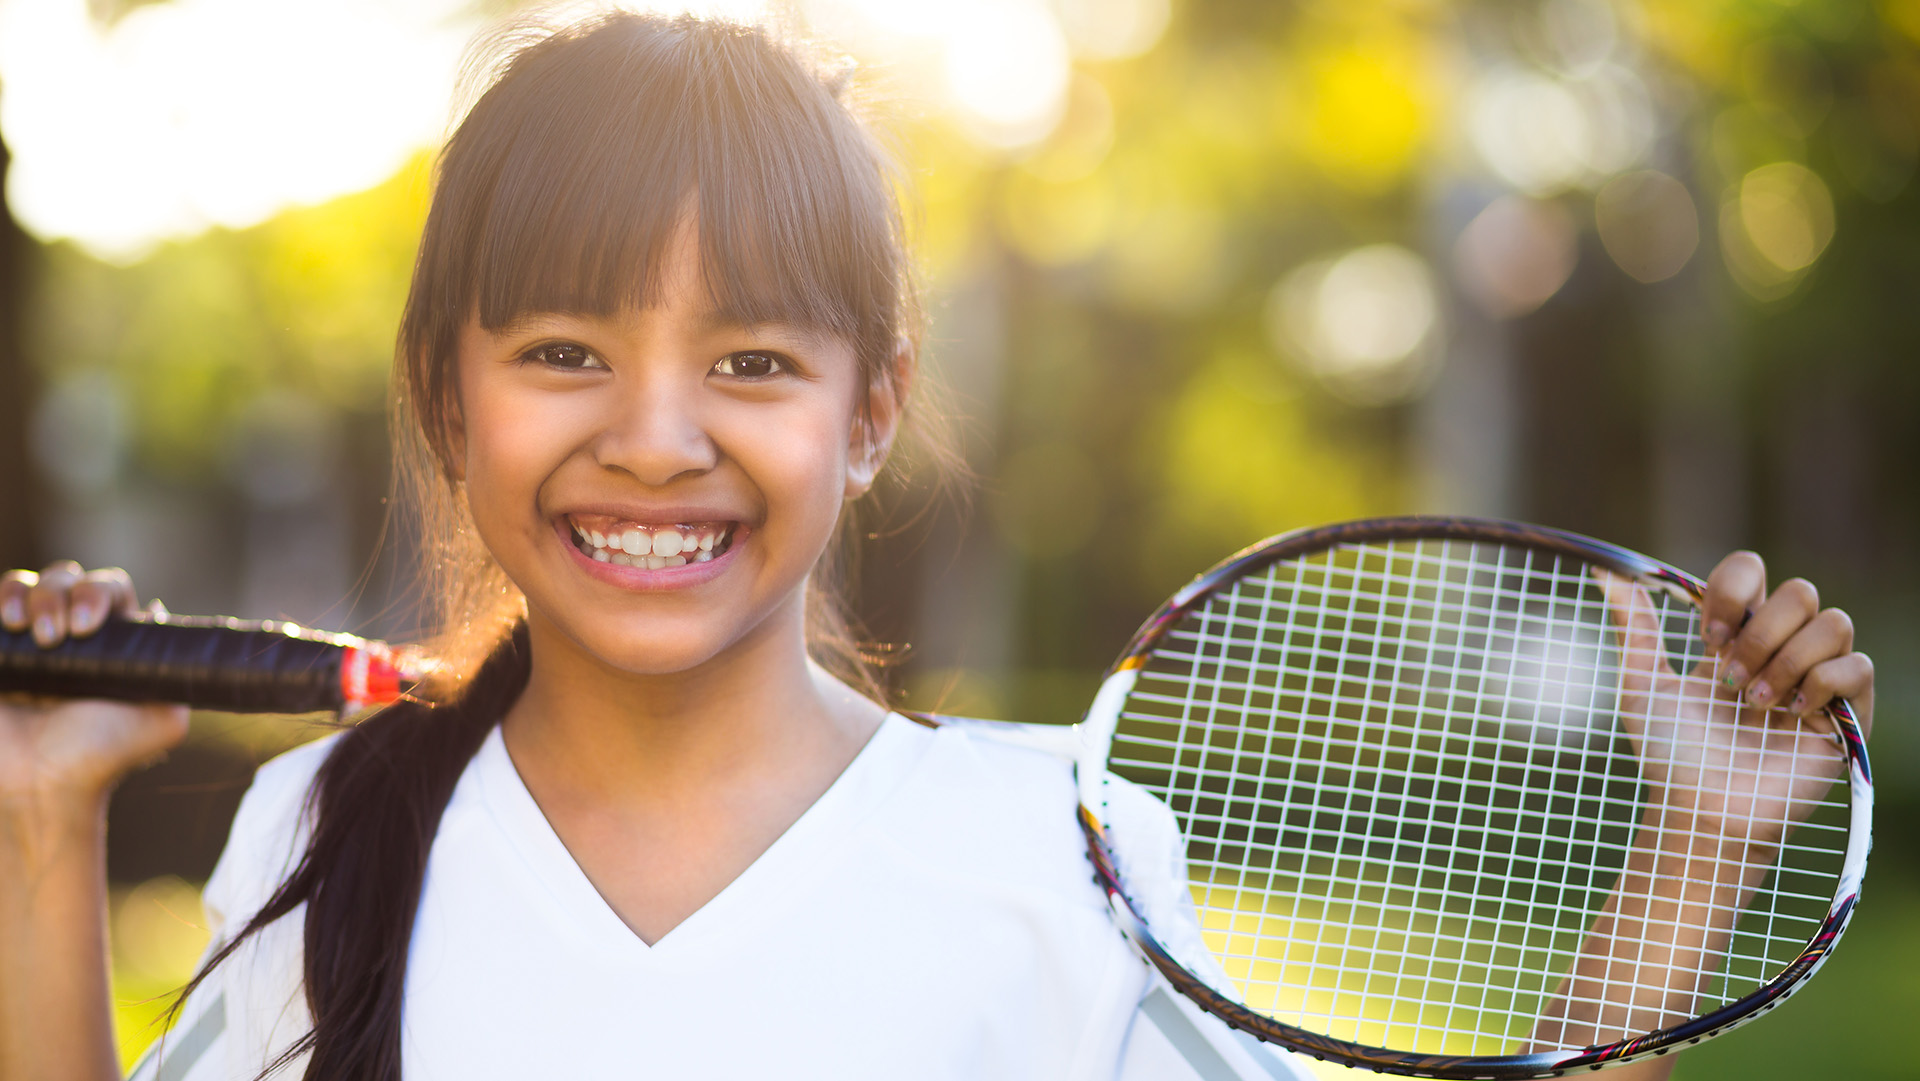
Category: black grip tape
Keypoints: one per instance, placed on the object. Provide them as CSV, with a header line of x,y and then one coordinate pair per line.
x,y
206,663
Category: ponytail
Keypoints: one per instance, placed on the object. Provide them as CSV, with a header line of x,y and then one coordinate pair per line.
x,y
377,802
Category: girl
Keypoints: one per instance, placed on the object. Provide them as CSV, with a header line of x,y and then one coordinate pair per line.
x,y
660,333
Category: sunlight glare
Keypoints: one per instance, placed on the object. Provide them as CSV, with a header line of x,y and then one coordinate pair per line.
x,y
199,113
182,116
1007,63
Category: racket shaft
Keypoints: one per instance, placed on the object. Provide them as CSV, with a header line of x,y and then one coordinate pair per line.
x,y
223,665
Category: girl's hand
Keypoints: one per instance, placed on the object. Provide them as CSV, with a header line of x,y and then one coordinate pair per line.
x,y
57,754
1728,778
1710,745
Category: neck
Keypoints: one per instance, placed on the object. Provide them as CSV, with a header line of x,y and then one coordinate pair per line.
x,y
757,714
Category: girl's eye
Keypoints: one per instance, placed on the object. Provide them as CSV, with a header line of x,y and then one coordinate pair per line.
x,y
563,355
751,365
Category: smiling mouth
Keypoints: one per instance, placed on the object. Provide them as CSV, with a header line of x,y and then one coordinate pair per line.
x,y
654,547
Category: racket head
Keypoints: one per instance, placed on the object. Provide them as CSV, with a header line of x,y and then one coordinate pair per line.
x,y
1340,948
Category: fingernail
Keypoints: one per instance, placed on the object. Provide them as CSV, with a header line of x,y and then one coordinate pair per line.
x,y
1718,633
43,630
14,613
1799,704
1759,694
82,618
1736,674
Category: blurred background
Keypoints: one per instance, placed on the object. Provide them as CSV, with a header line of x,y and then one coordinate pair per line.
x,y
1200,271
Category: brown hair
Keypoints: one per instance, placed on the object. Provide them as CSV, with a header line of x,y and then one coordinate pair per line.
x,y
561,190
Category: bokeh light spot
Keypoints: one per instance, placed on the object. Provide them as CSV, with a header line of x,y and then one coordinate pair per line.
x,y
1516,254
1788,214
1366,116
1113,29
1648,224
1360,321
1530,130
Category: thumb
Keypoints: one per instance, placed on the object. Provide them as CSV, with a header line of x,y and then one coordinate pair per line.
x,y
1643,649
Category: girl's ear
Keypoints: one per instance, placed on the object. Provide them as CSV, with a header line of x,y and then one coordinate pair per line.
x,y
455,427
869,443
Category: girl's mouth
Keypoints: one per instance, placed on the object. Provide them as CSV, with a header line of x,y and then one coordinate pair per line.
x,y
654,547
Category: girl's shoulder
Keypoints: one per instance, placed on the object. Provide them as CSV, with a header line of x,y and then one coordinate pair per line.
x,y
1011,789
268,835
1035,765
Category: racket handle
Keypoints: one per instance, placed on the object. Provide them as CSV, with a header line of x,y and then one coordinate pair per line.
x,y
207,662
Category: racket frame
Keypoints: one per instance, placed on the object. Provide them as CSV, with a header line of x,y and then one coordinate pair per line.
x,y
1097,729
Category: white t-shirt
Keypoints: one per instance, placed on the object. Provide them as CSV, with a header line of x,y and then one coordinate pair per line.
x,y
932,916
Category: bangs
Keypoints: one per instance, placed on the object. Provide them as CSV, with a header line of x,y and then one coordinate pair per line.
x,y
570,181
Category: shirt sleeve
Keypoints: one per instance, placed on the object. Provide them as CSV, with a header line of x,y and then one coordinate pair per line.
x,y
194,1049
251,1003
1171,1038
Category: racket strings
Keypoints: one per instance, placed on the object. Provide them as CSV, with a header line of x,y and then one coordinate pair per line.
x,y
1405,796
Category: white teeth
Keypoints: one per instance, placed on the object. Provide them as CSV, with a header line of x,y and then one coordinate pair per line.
x,y
654,547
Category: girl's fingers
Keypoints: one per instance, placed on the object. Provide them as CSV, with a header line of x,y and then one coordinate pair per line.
x,y
1736,587
47,602
1777,619
1849,677
13,598
1827,635
97,595
64,599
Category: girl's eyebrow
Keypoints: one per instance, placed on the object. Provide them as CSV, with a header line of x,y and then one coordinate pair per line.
x,y
710,321
527,323
718,321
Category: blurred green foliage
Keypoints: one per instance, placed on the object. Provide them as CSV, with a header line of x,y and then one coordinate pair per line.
x,y
307,302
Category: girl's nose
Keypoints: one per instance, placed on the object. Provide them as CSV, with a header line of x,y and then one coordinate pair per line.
x,y
657,433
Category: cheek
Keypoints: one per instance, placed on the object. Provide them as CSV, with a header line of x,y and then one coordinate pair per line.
x,y
799,462
514,441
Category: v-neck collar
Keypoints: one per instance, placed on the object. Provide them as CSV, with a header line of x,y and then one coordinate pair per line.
x,y
799,853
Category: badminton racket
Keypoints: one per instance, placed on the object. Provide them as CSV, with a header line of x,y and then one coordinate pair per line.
x,y
1416,767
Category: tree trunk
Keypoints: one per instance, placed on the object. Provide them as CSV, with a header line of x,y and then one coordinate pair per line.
x,y
20,497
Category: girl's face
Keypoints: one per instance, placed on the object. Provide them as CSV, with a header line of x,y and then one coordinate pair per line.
x,y
659,483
